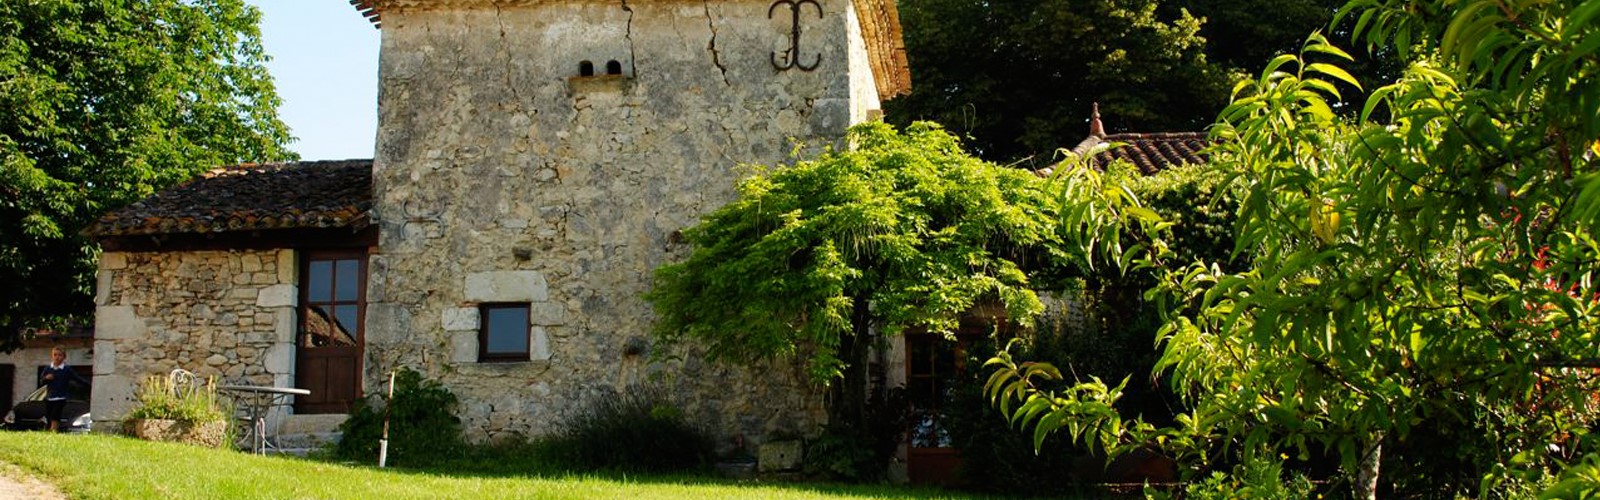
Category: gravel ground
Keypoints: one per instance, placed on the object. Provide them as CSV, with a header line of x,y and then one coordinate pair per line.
x,y
16,484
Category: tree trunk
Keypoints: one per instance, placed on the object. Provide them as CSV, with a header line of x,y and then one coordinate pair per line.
x,y
1367,471
850,395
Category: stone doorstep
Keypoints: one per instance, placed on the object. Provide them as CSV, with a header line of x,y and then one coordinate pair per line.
x,y
305,441
311,424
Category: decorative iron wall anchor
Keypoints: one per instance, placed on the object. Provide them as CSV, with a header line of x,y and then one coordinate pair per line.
x,y
791,56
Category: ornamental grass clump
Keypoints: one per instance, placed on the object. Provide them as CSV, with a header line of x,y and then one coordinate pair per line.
x,y
179,408
166,398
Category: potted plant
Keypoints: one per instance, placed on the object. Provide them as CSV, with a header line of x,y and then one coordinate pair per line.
x,y
177,408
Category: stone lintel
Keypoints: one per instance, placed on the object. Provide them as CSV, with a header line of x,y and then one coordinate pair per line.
x,y
507,286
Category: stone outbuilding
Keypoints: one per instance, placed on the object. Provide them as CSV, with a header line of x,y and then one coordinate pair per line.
x,y
534,162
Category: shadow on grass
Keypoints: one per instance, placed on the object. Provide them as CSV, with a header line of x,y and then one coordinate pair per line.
x,y
528,461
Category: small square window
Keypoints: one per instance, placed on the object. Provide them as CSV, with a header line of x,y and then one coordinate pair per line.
x,y
503,334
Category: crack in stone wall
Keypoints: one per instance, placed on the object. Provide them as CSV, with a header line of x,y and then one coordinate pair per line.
x,y
716,57
633,58
505,58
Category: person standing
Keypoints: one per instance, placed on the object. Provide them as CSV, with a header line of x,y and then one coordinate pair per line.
x,y
56,377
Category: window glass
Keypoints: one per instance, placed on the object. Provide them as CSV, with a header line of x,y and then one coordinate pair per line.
x,y
506,329
317,326
348,282
319,281
349,319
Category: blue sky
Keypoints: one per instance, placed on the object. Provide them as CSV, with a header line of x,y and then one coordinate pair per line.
x,y
325,65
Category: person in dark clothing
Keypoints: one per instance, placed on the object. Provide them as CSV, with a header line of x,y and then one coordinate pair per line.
x,y
57,377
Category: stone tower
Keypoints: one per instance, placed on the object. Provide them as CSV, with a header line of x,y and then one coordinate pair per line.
x,y
535,160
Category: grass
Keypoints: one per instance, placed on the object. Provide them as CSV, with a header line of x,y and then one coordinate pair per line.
x,y
112,467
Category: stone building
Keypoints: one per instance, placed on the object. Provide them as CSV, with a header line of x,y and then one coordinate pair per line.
x,y
534,162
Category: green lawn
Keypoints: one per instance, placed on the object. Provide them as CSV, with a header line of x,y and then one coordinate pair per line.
x,y
110,467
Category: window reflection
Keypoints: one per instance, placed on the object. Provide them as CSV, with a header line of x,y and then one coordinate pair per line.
x,y
319,328
330,315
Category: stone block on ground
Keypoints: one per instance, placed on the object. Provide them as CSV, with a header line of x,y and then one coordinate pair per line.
x,y
779,456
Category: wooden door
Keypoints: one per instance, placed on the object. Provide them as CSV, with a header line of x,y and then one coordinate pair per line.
x,y
933,367
329,341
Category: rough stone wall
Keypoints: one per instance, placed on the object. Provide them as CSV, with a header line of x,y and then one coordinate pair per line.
x,y
501,175
223,314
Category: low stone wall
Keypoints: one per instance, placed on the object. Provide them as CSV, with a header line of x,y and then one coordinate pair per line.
x,y
224,314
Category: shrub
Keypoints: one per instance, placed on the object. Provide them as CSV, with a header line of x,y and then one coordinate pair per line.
x,y
1255,477
178,398
843,453
423,428
636,431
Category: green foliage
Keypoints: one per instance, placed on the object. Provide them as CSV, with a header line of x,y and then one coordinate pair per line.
x,y
906,222
861,453
1083,410
636,431
839,455
102,103
1428,264
1195,210
1257,477
165,398
1579,482
996,458
1018,77
423,428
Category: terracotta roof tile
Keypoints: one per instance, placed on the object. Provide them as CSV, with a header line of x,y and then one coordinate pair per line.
x,y
1152,152
251,197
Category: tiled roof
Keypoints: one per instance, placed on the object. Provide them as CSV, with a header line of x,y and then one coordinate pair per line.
x,y
250,197
1150,152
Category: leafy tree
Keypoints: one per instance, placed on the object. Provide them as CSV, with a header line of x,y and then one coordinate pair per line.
x,y
1242,35
1426,266
814,259
102,102
1018,76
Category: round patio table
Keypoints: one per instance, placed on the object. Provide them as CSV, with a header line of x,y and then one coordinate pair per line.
x,y
254,401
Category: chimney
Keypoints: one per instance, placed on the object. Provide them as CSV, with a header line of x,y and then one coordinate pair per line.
x,y
1095,128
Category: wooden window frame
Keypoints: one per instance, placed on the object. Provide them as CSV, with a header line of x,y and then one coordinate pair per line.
x,y
484,356
358,331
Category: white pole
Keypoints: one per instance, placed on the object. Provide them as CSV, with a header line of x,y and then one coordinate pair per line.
x,y
383,444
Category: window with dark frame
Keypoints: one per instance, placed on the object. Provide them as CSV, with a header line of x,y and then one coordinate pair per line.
x,y
503,332
333,299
